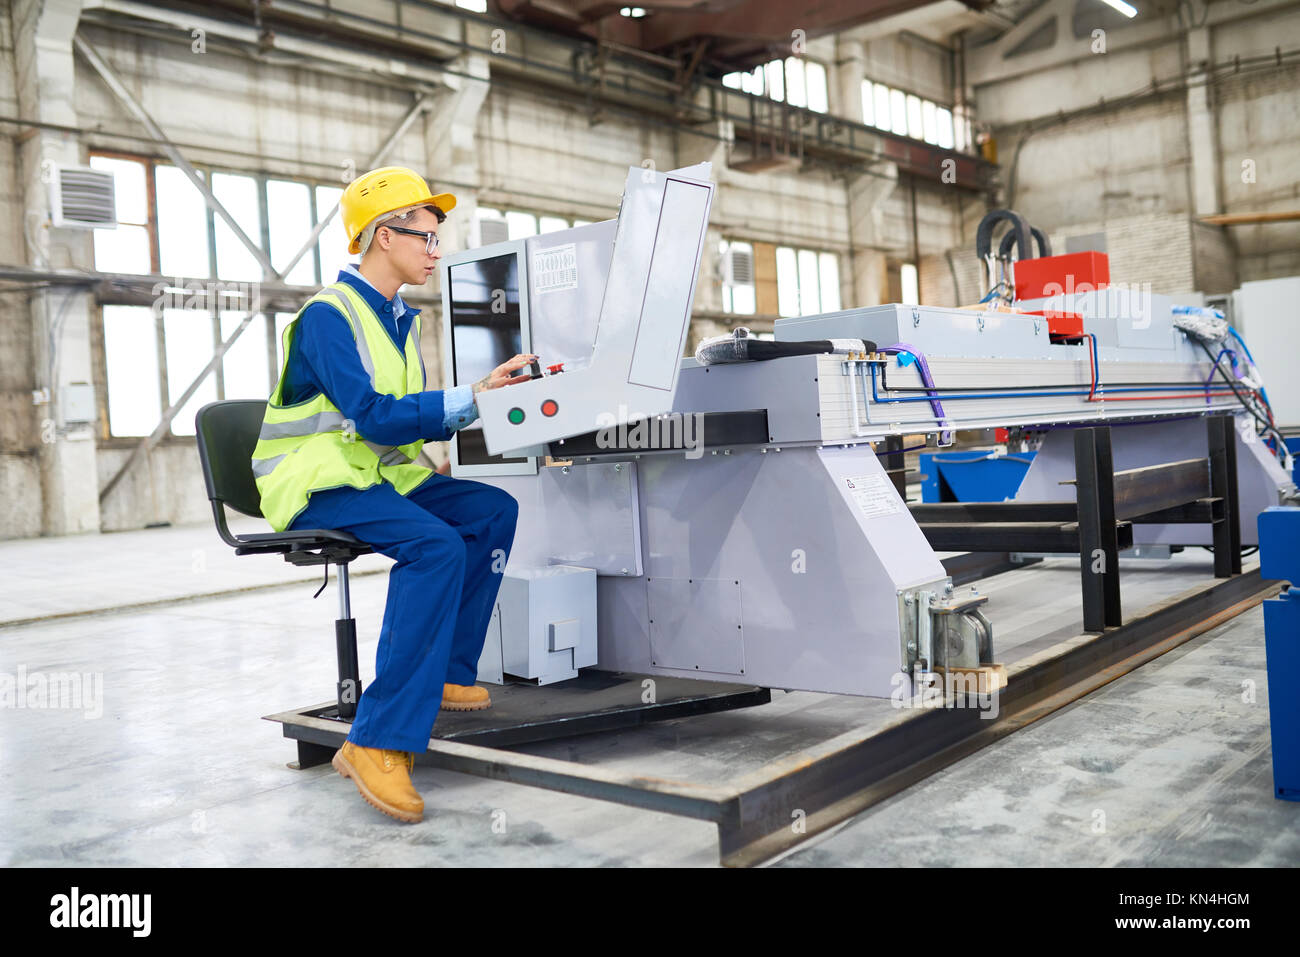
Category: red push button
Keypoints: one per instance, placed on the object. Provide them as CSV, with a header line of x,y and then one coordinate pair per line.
x,y
549,407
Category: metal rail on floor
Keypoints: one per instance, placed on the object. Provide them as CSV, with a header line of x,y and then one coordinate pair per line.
x,y
791,800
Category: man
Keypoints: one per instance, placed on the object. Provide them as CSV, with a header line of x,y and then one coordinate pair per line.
x,y
338,450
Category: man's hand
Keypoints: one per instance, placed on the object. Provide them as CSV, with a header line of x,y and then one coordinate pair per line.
x,y
504,374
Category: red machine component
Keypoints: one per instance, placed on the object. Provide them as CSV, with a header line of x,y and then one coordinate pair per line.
x,y
1054,275
1061,325
558,367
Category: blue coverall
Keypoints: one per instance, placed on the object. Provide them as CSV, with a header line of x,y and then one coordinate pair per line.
x,y
450,538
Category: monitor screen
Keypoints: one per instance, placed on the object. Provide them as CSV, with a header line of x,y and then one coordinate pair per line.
x,y
485,332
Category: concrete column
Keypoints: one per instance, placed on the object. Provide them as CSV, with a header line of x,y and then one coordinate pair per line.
x,y
850,70
1203,142
866,197
451,147
46,91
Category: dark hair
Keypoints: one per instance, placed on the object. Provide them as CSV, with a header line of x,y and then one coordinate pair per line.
x,y
442,217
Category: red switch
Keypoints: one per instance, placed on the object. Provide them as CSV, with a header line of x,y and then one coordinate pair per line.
x,y
558,367
549,408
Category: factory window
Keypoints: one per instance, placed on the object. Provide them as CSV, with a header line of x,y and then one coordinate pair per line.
x,y
736,262
131,355
246,371
155,198
909,115
794,80
239,195
137,392
129,247
807,281
498,225
182,226
189,341
151,355
332,247
909,280
288,217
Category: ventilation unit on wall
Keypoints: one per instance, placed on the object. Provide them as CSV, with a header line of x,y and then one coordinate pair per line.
x,y
492,231
82,198
738,267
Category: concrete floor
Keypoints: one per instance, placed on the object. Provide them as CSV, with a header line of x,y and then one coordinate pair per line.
x,y
1168,765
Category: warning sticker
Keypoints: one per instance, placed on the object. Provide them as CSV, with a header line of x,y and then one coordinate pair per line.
x,y
874,495
555,269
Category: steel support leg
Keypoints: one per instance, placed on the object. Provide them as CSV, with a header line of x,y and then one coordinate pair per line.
x,y
1098,541
312,755
894,464
1223,484
345,640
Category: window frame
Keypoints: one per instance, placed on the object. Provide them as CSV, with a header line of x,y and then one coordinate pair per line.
x,y
742,77
908,96
797,293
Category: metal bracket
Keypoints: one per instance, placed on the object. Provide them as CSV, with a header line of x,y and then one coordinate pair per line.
x,y
942,627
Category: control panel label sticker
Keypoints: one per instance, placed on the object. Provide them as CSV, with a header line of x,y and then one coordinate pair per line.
x,y
874,495
555,269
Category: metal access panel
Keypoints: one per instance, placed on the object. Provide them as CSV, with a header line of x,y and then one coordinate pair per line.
x,y
695,625
585,514
641,332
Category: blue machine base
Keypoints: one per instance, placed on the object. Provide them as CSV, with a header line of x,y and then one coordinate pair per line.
x,y
1279,559
1282,647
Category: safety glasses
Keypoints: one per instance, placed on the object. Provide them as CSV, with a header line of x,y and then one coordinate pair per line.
x,y
430,239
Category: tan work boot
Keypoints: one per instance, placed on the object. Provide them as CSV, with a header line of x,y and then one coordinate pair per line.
x,y
383,778
465,698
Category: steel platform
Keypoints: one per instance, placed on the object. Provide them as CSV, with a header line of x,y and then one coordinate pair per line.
x,y
523,713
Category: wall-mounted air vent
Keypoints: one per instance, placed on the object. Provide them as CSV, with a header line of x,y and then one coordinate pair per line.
x,y
82,198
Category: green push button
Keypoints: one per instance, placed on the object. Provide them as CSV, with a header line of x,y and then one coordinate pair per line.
x,y
516,415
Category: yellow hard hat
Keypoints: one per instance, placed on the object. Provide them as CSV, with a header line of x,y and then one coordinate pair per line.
x,y
381,191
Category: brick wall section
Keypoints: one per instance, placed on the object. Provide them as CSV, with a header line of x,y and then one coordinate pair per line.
x,y
1214,258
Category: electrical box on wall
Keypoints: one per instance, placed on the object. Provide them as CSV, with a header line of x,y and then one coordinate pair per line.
x,y
78,403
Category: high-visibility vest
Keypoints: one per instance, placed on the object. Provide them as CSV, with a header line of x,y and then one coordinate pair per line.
x,y
310,446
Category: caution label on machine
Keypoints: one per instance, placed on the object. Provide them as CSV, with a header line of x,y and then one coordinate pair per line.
x,y
874,495
555,269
